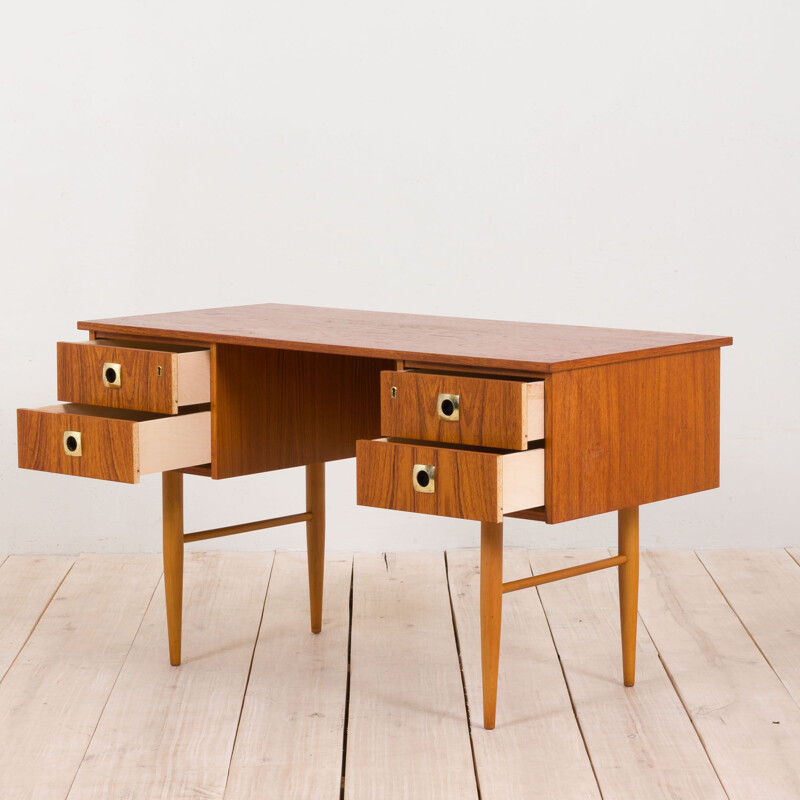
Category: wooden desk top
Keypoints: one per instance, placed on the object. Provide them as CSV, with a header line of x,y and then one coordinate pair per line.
x,y
524,346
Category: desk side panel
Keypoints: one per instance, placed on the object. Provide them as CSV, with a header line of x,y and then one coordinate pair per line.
x,y
273,409
632,433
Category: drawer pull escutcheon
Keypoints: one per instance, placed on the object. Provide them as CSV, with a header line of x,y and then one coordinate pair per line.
x,y
424,478
447,406
112,375
72,443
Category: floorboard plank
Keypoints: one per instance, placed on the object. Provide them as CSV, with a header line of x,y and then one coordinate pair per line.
x,y
407,734
536,750
289,744
27,585
168,732
641,742
763,588
748,720
54,692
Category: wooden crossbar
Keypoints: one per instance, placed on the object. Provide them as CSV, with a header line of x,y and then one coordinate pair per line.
x,y
229,530
557,575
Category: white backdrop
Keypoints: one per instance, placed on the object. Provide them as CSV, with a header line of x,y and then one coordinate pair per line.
x,y
622,164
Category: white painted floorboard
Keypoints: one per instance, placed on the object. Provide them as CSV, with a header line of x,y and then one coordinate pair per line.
x,y
386,701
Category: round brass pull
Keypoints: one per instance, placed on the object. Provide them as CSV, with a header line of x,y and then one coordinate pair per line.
x,y
72,443
112,375
423,477
448,406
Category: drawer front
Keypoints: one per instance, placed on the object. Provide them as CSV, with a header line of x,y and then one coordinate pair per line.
x,y
108,444
487,412
139,377
448,482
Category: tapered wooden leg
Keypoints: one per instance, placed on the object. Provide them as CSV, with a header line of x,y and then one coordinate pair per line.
x,y
491,614
172,515
628,523
315,540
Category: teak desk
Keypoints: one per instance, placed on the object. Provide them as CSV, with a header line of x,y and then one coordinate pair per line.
x,y
481,420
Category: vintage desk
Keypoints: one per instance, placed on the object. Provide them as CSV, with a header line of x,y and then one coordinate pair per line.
x,y
463,418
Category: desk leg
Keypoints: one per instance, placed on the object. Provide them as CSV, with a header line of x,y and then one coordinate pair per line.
x,y
172,515
491,614
315,540
628,527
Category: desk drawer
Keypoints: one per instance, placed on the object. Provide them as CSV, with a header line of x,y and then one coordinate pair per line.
x,y
449,482
110,444
487,412
139,376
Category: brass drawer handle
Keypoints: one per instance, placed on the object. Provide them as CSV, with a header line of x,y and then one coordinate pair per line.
x,y
448,405
112,375
424,478
72,443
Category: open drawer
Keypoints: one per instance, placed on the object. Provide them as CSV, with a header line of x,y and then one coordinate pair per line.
x,y
506,413
140,376
110,444
448,481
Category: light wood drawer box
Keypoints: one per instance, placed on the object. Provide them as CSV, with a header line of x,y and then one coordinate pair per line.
x,y
139,376
469,484
110,444
457,409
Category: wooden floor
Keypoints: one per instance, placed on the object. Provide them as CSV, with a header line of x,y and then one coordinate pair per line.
x,y
385,702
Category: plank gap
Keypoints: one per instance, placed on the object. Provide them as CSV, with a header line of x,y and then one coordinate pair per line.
x,y
746,628
463,680
38,618
250,669
347,684
569,690
119,672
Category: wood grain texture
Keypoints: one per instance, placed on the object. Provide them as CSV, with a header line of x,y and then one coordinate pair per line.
x,y
628,580
492,413
469,484
514,345
274,409
628,434
407,730
27,584
172,552
80,377
748,721
289,743
117,444
168,732
315,541
55,691
536,750
491,593
763,588
110,446
641,741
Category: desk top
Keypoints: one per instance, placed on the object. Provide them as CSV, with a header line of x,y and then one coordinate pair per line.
x,y
525,346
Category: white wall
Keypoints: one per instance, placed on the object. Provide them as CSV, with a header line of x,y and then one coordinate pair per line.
x,y
621,164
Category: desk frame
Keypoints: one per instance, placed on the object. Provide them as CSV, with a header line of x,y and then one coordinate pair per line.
x,y
631,417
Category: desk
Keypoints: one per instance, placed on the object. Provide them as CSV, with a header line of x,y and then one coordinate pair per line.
x,y
474,419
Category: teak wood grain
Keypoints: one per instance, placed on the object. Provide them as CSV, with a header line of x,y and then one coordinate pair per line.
x,y
492,412
469,484
448,340
274,409
117,444
622,435
154,378
110,446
